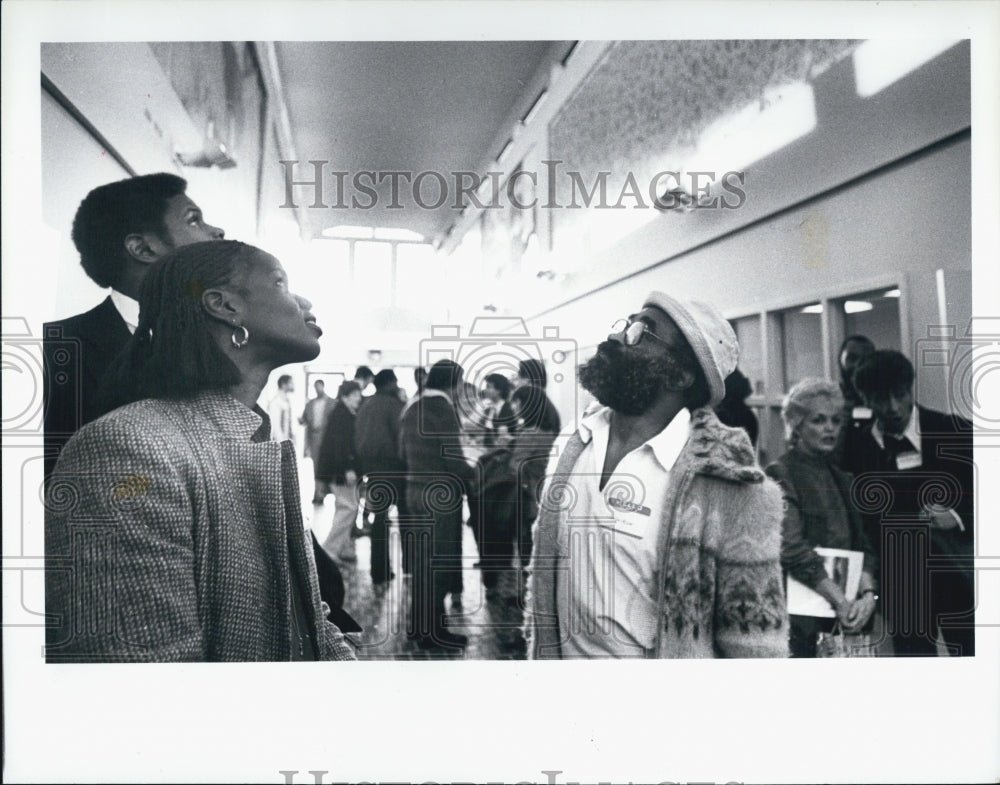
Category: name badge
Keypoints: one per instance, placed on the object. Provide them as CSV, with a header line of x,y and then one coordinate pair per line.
x,y
861,413
908,460
627,506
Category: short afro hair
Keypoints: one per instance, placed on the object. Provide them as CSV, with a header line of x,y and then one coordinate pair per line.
x,y
444,375
500,383
533,371
348,387
113,211
886,371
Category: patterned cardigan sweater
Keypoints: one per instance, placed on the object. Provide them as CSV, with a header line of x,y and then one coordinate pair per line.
x,y
719,585
172,534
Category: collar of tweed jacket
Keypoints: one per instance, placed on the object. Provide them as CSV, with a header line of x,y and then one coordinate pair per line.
x,y
230,417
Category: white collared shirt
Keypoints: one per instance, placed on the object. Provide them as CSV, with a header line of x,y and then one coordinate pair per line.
x,y
127,308
911,459
606,594
912,431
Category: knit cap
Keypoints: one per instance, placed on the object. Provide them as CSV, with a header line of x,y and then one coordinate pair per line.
x,y
709,335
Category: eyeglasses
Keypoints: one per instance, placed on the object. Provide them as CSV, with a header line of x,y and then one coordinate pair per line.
x,y
634,331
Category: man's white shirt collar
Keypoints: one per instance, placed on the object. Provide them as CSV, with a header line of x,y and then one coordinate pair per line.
x,y
127,308
666,445
912,431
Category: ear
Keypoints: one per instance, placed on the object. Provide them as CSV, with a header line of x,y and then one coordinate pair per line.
x,y
680,380
222,306
144,247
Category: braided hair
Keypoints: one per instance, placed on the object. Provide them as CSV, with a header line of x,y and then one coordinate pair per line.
x,y
172,353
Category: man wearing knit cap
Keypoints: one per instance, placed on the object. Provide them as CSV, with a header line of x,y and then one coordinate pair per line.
x,y
659,535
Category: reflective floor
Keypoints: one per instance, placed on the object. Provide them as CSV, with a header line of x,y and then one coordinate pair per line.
x,y
493,625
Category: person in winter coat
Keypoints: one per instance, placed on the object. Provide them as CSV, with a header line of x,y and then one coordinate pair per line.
x,y
338,467
658,534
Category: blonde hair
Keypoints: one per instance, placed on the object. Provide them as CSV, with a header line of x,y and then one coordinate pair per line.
x,y
801,400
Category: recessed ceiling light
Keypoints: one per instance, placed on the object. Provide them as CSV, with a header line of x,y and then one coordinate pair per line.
x,y
345,232
391,233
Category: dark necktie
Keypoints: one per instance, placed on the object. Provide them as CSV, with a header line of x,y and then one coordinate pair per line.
x,y
895,446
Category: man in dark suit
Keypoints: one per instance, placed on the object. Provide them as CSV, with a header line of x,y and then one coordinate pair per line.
x,y
120,229
376,443
915,483
857,415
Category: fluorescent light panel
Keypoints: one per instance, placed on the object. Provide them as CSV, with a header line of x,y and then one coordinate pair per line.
x,y
346,232
880,62
760,128
533,111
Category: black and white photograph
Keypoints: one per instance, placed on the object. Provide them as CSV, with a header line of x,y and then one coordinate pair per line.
x,y
434,391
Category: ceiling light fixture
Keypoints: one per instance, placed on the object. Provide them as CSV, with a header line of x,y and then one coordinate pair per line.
x,y
506,150
533,110
346,232
880,62
212,153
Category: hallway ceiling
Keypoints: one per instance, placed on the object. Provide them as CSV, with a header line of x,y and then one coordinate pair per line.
x,y
410,106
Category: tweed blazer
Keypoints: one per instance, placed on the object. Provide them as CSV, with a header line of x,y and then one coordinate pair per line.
x,y
171,534
719,588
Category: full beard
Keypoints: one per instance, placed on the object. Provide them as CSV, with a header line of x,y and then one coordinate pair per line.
x,y
625,383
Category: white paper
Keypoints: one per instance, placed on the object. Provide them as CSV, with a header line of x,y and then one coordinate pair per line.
x,y
844,567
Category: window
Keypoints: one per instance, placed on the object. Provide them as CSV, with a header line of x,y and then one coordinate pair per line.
x,y
875,314
373,273
802,343
780,348
751,362
419,284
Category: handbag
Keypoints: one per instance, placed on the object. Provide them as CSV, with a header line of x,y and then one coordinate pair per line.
x,y
838,643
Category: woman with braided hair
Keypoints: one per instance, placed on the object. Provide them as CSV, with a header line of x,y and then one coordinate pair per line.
x,y
173,524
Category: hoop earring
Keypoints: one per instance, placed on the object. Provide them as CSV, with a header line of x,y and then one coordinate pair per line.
x,y
239,343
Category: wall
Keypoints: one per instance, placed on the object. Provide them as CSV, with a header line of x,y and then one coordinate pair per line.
x,y
874,193
126,92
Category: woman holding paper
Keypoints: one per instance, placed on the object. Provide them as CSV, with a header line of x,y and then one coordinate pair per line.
x,y
819,513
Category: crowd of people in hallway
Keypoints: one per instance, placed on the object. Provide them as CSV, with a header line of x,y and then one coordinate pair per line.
x,y
174,525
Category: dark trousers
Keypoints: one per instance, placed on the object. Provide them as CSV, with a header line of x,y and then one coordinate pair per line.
x,y
433,538
802,634
383,490
499,526
526,514
476,521
926,590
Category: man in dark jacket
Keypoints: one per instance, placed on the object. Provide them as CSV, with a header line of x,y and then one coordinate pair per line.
x,y
923,527
338,466
376,441
120,229
857,416
436,470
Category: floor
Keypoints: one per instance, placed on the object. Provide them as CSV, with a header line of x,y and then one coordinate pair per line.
x,y
492,625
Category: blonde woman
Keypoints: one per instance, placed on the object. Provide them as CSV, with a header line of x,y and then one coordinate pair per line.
x,y
818,512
